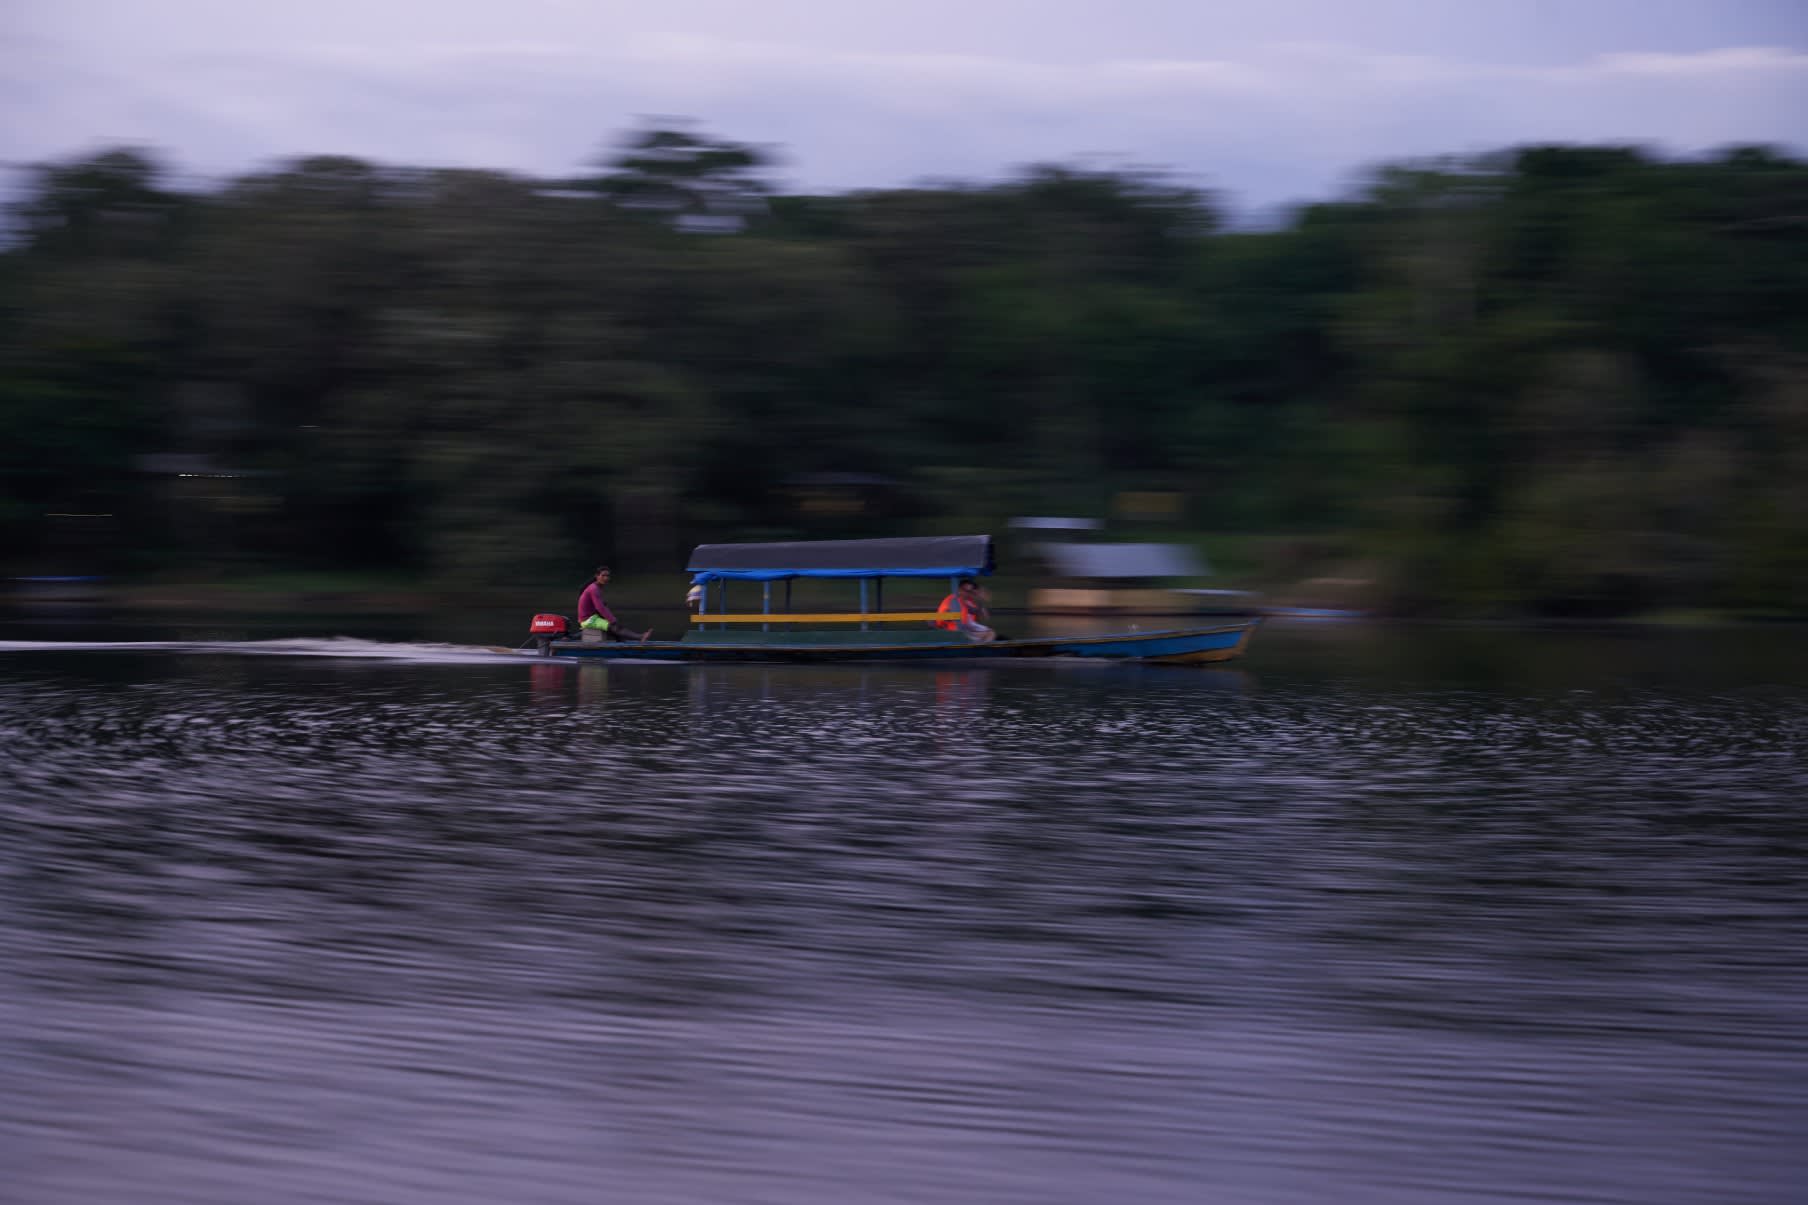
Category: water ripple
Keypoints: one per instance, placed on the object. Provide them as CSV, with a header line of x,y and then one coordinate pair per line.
x,y
345,928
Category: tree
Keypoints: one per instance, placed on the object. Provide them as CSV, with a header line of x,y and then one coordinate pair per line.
x,y
687,178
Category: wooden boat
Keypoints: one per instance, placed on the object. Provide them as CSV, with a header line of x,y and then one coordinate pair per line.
x,y
777,633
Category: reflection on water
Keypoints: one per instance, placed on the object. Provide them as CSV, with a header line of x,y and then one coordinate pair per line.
x,y
1471,916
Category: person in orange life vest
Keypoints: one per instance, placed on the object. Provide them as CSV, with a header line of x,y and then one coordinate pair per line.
x,y
965,608
594,613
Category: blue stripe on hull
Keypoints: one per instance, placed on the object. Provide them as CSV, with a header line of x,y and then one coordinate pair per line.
x,y
1175,646
1202,644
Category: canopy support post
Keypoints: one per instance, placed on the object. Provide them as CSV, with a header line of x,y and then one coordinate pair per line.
x,y
766,605
863,604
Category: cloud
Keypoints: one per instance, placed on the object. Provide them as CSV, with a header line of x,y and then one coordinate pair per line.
x,y
1277,122
1742,60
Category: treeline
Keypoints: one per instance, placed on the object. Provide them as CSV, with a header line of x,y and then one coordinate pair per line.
x,y
1558,379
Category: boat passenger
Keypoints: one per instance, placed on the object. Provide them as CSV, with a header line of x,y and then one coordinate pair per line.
x,y
594,614
965,608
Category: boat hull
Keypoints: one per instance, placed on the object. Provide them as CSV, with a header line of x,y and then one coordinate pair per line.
x,y
1181,646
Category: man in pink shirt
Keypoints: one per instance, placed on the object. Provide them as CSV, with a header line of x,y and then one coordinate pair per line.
x,y
594,614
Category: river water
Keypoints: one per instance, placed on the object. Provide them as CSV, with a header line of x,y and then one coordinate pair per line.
x,y
1378,915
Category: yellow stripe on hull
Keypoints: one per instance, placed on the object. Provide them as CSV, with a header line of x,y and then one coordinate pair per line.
x,y
836,617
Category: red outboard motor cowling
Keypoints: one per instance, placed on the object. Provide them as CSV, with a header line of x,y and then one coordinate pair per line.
x,y
547,628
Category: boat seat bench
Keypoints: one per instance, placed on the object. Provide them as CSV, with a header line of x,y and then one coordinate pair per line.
x,y
844,636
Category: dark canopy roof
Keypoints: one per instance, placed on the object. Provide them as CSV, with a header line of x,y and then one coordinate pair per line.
x,y
912,556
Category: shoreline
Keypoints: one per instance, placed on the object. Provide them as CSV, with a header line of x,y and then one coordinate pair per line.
x,y
174,600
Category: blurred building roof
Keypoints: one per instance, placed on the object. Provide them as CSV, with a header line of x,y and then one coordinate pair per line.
x,y
189,464
817,480
1055,523
1123,561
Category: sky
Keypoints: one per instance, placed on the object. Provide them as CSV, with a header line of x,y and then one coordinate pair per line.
x,y
1265,101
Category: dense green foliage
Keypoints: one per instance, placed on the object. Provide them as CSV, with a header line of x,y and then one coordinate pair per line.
x,y
1557,378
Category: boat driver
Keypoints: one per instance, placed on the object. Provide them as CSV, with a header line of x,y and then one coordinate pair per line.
x,y
594,614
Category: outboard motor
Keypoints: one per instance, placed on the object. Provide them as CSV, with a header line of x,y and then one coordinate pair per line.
x,y
547,628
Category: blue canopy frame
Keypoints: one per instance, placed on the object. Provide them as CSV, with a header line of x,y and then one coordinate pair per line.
x,y
927,556
952,557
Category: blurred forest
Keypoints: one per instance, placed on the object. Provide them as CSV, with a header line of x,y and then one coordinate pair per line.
x,y
1553,379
